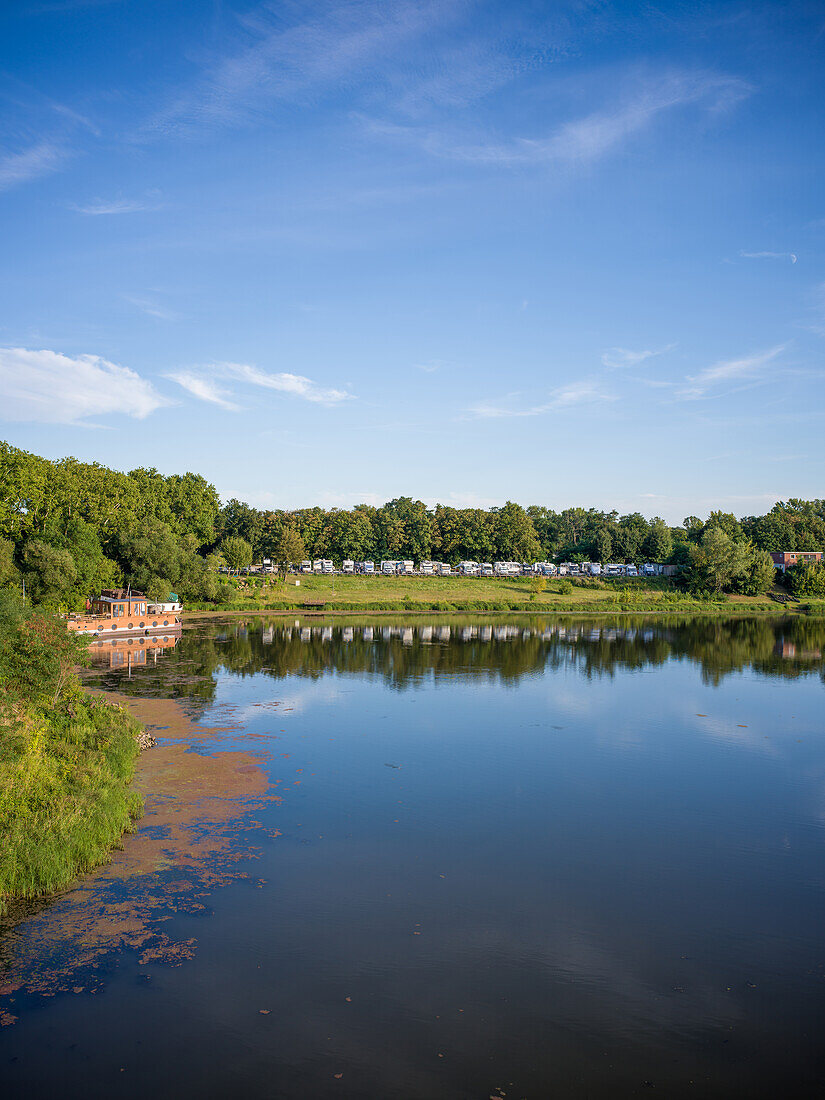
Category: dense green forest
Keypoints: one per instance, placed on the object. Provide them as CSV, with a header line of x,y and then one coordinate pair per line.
x,y
69,528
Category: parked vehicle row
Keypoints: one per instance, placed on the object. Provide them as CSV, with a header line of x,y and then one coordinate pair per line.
x,y
406,568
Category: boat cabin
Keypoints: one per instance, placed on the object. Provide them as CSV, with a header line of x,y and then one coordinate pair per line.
x,y
117,603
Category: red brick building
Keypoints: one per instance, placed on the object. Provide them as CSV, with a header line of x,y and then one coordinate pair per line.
x,y
786,558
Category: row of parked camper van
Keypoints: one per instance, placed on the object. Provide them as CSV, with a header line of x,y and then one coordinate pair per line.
x,y
485,569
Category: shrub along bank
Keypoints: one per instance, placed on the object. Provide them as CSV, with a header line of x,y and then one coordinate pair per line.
x,y
66,760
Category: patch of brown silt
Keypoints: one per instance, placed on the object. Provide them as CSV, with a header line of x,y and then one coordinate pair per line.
x,y
198,824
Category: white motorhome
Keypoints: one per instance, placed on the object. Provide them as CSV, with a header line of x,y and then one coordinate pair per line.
x,y
468,568
444,569
348,566
365,567
317,565
388,568
649,569
327,566
594,568
486,569
427,568
501,568
631,571
407,568
612,570
306,567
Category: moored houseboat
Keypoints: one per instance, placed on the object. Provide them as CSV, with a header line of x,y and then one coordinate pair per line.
x,y
120,611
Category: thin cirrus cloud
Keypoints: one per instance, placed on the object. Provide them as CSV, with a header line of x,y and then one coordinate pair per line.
x,y
616,358
582,140
38,160
792,256
727,371
102,207
206,386
274,60
151,307
294,384
205,389
564,397
48,387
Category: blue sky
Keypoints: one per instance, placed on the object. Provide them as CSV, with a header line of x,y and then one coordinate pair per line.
x,y
465,251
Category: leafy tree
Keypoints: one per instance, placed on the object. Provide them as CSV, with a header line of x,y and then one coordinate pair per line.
x,y
807,579
603,545
50,573
515,536
760,576
727,522
195,505
79,538
9,573
658,546
718,561
693,527
236,552
631,533
290,550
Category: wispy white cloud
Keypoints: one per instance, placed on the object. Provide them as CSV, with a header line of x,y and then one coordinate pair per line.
x,y
278,60
151,307
296,385
564,397
727,371
792,256
38,160
205,389
430,367
616,358
51,388
115,206
586,139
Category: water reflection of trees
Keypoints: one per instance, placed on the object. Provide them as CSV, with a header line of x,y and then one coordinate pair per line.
x,y
403,654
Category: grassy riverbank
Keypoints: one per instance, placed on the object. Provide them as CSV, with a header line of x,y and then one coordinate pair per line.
x,y
470,594
66,761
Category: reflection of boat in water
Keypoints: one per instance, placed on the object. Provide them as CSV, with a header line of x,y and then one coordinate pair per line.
x,y
789,651
124,611
131,653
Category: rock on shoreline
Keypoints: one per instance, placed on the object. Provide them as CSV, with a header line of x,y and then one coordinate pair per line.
x,y
145,740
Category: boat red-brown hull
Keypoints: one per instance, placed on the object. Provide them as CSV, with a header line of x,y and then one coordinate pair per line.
x,y
108,627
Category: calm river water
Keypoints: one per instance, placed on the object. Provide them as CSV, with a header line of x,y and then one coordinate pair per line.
x,y
424,859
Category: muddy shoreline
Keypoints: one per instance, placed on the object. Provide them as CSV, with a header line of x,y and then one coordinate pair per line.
x,y
197,827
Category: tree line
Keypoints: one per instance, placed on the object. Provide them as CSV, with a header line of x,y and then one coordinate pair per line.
x,y
69,528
